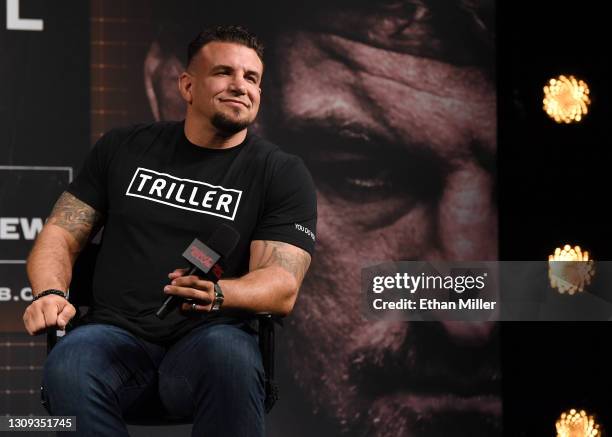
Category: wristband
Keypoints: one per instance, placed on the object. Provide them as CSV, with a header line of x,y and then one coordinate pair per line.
x,y
48,292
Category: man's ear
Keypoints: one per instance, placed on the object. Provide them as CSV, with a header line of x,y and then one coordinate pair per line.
x,y
185,82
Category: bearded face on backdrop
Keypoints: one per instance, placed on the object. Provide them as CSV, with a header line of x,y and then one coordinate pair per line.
x,y
392,106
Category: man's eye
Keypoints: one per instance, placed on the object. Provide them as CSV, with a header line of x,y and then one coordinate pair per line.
x,y
355,165
359,181
394,175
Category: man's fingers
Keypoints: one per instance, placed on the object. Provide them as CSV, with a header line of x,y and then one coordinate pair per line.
x,y
177,273
189,293
67,313
188,307
33,320
192,281
50,311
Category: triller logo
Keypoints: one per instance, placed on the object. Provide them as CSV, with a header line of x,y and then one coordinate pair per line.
x,y
184,193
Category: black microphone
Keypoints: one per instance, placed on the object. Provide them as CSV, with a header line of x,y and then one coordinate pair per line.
x,y
206,261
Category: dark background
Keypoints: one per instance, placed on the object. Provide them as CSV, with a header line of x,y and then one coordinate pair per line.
x,y
553,183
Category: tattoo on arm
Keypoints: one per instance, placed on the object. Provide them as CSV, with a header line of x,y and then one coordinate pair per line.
x,y
290,258
75,216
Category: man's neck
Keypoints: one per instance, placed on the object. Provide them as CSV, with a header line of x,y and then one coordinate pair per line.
x,y
210,138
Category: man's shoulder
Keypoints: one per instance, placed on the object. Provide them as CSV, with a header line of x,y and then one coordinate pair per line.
x,y
274,155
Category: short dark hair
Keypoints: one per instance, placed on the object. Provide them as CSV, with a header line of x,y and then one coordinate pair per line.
x,y
236,34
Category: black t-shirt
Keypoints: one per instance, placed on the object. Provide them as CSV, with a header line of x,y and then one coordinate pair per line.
x,y
158,192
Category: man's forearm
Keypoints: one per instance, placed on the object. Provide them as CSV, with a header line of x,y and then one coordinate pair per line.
x,y
269,289
64,235
50,261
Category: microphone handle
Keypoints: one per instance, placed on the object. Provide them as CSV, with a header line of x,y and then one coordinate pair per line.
x,y
172,301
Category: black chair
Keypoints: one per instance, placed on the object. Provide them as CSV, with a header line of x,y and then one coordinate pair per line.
x,y
80,297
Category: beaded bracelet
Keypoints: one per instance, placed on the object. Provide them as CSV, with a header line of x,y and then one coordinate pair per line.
x,y
48,292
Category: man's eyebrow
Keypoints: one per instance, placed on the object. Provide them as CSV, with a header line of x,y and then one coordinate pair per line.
x,y
222,67
230,68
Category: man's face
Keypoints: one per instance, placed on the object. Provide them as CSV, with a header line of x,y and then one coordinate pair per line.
x,y
225,80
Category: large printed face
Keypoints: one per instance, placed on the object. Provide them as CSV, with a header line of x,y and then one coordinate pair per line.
x,y
396,122
405,174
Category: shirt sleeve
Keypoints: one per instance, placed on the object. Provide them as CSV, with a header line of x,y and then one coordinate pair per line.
x,y
290,211
90,185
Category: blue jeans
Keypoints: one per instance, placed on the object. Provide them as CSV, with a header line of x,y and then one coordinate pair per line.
x,y
214,375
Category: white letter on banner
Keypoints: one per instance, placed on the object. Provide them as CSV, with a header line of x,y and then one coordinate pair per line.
x,y
14,22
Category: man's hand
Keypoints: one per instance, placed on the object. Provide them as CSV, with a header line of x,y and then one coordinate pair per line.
x,y
276,271
48,312
200,291
68,229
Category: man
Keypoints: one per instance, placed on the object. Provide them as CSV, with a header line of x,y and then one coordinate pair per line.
x,y
155,188
392,106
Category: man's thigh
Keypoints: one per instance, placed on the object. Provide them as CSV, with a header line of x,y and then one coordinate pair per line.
x,y
208,364
100,361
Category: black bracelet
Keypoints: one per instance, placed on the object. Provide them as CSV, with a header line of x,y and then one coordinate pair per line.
x,y
48,292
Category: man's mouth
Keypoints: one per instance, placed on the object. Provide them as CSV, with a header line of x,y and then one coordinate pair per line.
x,y
234,101
430,378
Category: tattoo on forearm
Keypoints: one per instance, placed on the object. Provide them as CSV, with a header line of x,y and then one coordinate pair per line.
x,y
285,256
75,216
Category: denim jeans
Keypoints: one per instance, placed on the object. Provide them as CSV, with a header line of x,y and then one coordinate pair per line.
x,y
214,374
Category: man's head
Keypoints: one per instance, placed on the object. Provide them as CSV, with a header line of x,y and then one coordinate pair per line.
x,y
222,83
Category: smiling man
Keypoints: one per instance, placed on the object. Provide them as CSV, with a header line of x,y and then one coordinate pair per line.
x,y
154,188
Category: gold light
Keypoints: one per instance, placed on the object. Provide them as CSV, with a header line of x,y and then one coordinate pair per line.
x,y
570,269
566,99
577,424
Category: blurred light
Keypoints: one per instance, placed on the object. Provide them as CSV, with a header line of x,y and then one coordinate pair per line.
x,y
570,269
577,424
566,99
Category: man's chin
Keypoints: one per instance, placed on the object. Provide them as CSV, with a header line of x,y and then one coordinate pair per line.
x,y
230,125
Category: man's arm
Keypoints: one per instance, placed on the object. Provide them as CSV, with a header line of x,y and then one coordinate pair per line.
x,y
64,235
50,262
276,271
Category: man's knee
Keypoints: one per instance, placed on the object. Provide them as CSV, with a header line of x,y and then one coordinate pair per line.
x,y
65,363
223,359
66,376
232,352
77,369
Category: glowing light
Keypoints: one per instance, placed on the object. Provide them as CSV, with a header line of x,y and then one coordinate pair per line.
x,y
577,424
566,99
570,269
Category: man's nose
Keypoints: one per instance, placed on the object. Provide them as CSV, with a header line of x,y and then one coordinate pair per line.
x,y
468,232
238,85
467,219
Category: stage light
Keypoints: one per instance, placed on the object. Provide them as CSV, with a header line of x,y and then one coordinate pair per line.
x,y
570,269
566,99
577,424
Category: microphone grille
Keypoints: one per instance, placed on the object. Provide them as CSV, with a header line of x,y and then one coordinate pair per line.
x,y
224,240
